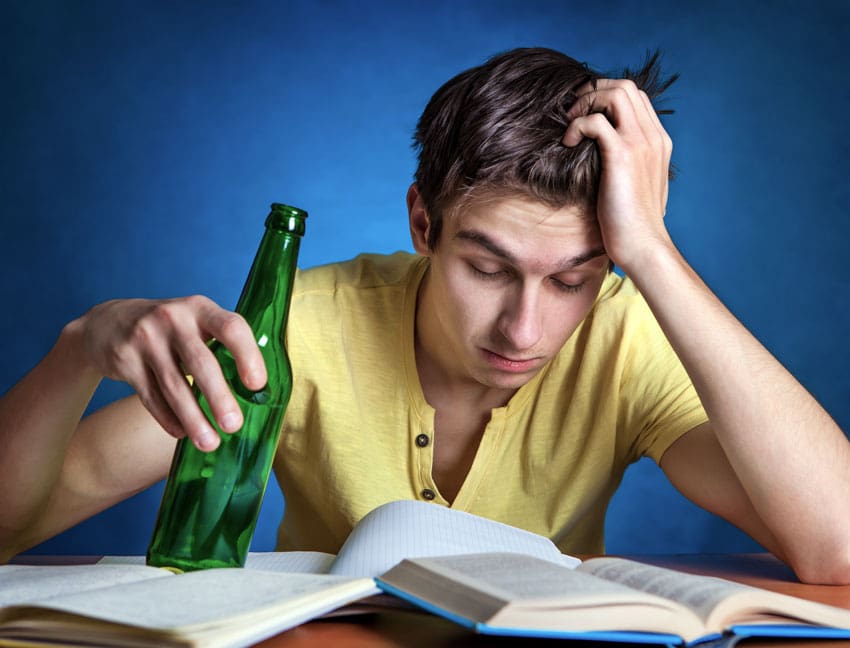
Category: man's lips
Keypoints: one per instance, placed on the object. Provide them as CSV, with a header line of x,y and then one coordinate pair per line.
x,y
506,363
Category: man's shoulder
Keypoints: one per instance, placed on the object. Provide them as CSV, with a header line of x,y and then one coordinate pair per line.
x,y
362,272
621,308
621,321
618,292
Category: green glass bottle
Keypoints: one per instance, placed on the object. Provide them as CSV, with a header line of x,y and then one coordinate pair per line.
x,y
212,500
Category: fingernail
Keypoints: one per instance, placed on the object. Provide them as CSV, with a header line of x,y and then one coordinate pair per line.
x,y
207,440
230,422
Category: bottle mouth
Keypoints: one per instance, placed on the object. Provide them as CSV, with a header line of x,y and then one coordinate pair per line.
x,y
286,218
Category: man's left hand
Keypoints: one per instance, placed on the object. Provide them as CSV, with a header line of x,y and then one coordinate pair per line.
x,y
635,151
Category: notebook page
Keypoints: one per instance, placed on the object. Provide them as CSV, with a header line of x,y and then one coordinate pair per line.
x,y
297,562
412,529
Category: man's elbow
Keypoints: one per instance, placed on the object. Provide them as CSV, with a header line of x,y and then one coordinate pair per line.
x,y
10,546
828,567
14,539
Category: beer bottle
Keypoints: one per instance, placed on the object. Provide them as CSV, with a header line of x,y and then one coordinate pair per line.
x,y
212,500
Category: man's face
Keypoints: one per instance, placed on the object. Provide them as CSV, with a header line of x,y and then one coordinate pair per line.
x,y
510,280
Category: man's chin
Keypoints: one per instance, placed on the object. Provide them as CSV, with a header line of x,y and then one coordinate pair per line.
x,y
506,380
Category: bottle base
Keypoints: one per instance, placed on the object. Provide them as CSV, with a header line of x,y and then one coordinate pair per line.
x,y
180,565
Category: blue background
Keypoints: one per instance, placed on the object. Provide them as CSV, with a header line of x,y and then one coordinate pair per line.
x,y
143,141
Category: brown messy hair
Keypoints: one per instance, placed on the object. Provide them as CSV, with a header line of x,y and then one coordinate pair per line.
x,y
496,129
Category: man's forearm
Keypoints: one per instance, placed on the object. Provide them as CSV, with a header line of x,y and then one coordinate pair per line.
x,y
38,417
790,456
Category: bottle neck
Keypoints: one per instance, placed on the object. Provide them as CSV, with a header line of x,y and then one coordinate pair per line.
x,y
264,301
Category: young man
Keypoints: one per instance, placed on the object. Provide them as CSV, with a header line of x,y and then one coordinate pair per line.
x,y
504,370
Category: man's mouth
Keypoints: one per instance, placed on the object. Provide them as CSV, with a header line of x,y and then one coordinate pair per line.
x,y
508,363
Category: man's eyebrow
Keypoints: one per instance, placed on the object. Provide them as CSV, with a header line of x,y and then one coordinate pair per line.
x,y
580,259
487,243
567,263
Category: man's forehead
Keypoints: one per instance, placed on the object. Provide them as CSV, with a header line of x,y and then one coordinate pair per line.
x,y
519,217
494,203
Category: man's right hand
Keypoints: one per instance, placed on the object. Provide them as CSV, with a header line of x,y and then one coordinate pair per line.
x,y
154,344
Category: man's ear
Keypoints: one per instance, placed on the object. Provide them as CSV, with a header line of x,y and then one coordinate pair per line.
x,y
420,224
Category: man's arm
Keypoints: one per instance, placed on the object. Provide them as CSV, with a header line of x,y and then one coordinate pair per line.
x,y
55,469
771,460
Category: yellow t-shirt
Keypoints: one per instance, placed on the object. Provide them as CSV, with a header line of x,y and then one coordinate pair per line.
x,y
358,431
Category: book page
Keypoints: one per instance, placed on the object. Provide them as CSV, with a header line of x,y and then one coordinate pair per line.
x,y
719,603
214,603
195,598
412,529
700,593
514,577
517,591
300,562
21,584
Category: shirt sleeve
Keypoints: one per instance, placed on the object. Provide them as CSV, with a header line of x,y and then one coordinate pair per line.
x,y
658,399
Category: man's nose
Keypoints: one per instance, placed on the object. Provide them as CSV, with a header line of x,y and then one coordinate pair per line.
x,y
521,320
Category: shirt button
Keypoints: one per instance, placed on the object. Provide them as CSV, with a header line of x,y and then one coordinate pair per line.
x,y
428,494
422,440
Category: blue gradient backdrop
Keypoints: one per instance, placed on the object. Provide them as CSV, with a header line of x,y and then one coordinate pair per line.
x,y
143,141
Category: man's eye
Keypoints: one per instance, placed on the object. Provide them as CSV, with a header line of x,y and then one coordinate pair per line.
x,y
490,276
567,288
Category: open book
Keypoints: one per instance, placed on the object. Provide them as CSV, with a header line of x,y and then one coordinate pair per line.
x,y
122,602
606,599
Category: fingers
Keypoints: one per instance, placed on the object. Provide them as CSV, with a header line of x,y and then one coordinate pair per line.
x,y
595,126
635,158
178,398
626,107
233,332
152,345
155,402
168,343
621,119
